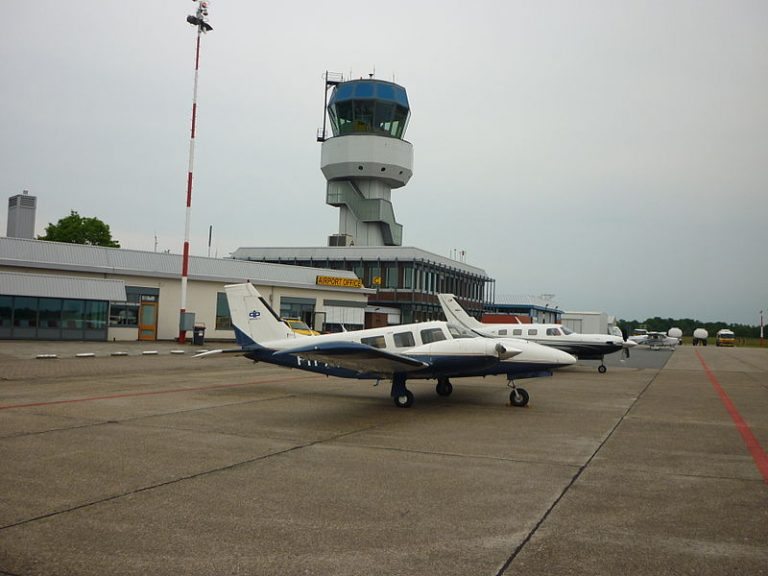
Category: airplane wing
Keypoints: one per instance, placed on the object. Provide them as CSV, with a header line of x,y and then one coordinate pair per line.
x,y
355,356
234,351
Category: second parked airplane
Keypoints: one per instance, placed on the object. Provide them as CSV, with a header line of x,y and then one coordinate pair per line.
x,y
583,346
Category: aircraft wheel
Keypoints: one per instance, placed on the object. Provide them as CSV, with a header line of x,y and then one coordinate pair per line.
x,y
518,397
602,369
444,388
404,400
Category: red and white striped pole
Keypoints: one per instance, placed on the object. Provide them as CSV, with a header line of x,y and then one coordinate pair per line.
x,y
198,20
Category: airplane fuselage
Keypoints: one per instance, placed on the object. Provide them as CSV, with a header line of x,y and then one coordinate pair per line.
x,y
445,352
584,346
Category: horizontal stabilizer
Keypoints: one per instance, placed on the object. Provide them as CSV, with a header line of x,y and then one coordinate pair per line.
x,y
355,356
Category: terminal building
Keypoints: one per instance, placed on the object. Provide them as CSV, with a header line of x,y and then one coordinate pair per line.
x,y
57,291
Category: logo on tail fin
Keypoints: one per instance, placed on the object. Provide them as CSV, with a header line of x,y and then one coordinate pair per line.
x,y
254,314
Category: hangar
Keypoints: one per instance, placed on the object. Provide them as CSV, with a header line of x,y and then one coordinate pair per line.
x,y
57,291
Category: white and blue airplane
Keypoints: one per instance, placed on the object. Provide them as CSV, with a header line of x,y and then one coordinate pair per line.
x,y
582,346
427,350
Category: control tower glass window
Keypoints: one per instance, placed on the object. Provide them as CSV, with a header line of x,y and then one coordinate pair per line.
x,y
369,107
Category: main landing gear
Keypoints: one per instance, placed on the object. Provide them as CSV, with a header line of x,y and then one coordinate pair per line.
x,y
518,396
444,387
402,397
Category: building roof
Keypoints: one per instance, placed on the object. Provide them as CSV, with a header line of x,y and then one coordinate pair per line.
x,y
355,253
39,254
539,302
47,286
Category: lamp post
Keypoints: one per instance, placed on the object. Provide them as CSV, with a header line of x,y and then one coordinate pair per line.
x,y
199,20
761,328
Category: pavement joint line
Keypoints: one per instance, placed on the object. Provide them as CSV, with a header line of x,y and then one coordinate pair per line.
x,y
137,394
182,479
471,456
573,480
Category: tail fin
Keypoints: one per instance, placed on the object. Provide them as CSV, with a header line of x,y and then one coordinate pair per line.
x,y
456,314
252,317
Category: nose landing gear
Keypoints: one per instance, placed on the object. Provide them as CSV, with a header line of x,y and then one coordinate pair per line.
x,y
518,396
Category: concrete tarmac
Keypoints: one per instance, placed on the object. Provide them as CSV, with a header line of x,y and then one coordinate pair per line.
x,y
162,464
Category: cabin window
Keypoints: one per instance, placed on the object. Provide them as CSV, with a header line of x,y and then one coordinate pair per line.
x,y
432,335
517,332
404,340
374,341
503,332
553,332
532,331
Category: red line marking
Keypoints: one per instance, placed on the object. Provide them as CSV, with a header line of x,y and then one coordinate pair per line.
x,y
135,394
753,445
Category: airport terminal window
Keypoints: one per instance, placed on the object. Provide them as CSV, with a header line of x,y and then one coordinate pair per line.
x,y
375,341
72,314
50,313
124,314
404,340
408,277
6,309
223,318
95,314
25,313
391,275
432,335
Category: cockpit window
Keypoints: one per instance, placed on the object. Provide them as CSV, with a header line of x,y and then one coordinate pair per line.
x,y
566,331
553,332
457,332
430,335
375,341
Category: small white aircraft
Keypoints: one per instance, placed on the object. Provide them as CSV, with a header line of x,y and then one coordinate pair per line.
x,y
583,346
428,350
655,340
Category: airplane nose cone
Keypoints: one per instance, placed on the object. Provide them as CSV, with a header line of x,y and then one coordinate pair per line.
x,y
562,359
629,344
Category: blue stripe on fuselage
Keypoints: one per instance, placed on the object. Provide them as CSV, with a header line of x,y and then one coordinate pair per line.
x,y
448,366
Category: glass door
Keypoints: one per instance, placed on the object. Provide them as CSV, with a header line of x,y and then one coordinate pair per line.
x,y
148,321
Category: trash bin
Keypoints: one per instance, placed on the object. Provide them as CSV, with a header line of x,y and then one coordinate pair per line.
x,y
198,335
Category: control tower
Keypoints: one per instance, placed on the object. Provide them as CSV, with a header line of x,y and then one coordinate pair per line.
x,y
365,159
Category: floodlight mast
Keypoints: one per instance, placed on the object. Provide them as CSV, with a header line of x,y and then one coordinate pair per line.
x,y
199,20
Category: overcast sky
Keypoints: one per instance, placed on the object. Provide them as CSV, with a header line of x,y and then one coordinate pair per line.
x,y
614,154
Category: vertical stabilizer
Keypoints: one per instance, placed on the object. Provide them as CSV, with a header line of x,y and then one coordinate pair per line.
x,y
253,318
455,314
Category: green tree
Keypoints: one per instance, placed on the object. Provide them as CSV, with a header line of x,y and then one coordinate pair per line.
x,y
74,229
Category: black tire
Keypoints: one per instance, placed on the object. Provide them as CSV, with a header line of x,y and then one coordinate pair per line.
x,y
404,400
444,388
518,397
602,369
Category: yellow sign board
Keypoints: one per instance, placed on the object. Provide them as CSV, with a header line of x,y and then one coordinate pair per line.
x,y
338,282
